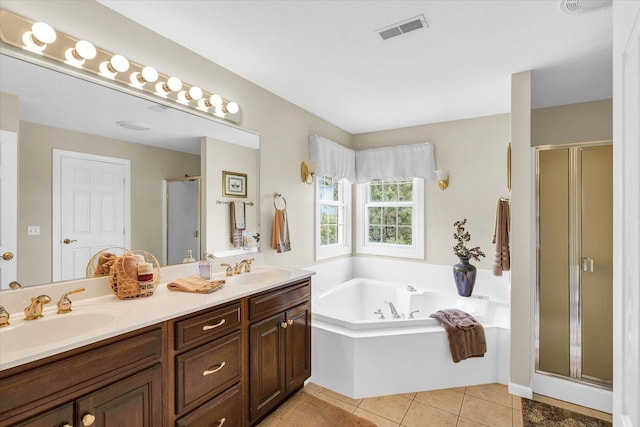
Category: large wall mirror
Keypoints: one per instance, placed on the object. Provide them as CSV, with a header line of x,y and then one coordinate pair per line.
x,y
77,140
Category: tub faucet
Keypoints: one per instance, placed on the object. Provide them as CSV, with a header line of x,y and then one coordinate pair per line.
x,y
379,312
411,314
394,312
34,310
411,288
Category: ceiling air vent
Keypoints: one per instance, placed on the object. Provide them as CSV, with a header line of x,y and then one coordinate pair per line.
x,y
403,27
575,7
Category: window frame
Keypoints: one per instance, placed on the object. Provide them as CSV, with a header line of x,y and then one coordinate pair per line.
x,y
416,249
343,247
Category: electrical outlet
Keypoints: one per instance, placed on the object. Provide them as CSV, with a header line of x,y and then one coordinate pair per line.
x,y
33,230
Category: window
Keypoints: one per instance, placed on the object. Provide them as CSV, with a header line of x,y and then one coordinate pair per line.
x,y
333,217
390,218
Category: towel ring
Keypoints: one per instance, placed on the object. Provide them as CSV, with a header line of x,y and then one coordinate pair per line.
x,y
276,196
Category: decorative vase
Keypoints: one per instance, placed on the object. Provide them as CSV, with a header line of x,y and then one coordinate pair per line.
x,y
464,274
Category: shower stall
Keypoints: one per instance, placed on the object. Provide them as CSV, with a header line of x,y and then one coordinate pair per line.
x,y
574,294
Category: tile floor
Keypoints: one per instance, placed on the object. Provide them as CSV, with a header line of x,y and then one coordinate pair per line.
x,y
482,405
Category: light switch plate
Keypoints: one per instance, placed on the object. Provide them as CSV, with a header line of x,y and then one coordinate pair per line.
x,y
33,230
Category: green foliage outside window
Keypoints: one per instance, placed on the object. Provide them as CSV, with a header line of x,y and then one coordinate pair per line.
x,y
330,207
389,220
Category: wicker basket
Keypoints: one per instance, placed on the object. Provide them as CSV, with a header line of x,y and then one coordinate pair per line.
x,y
100,263
124,276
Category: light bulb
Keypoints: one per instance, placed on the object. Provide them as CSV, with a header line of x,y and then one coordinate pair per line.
x,y
84,50
148,74
195,93
215,100
118,64
42,33
232,107
174,84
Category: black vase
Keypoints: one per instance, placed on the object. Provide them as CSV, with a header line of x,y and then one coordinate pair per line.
x,y
464,274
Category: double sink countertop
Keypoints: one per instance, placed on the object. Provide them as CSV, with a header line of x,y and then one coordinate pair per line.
x,y
97,314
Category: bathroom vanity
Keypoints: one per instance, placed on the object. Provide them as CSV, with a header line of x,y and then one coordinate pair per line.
x,y
226,358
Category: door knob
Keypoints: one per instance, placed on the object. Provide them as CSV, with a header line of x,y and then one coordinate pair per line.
x,y
7,256
67,241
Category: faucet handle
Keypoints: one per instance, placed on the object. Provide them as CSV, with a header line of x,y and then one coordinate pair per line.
x,y
4,317
229,270
64,304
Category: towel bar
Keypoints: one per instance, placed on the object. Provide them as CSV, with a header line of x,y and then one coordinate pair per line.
x,y
221,202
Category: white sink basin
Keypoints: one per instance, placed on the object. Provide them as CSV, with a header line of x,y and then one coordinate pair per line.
x,y
55,329
259,275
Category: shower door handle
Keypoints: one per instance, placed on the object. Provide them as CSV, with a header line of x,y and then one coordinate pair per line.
x,y
587,264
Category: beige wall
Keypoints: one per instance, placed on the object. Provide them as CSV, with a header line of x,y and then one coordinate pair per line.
x,y
219,156
474,151
9,112
582,122
149,167
521,230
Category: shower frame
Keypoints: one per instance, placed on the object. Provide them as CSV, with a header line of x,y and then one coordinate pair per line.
x,y
575,264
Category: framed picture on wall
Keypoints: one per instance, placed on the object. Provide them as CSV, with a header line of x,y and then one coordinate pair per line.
x,y
234,184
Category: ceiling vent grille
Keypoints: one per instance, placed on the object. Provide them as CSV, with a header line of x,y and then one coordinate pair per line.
x,y
575,7
403,27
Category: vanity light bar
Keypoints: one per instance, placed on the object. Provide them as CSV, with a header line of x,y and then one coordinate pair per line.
x,y
41,39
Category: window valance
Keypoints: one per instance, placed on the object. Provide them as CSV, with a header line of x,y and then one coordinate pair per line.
x,y
332,159
403,161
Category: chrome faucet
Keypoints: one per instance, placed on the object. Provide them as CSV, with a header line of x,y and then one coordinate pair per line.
x,y
34,310
379,312
411,288
64,304
394,312
4,317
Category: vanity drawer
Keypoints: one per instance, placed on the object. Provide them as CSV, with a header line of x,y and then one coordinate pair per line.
x,y
207,370
207,326
279,300
223,410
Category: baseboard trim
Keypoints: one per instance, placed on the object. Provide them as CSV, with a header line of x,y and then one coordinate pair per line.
x,y
520,390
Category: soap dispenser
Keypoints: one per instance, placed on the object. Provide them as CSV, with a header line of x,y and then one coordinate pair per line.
x,y
204,267
189,258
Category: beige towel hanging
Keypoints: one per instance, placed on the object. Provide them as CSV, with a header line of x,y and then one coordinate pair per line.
x,y
236,223
280,237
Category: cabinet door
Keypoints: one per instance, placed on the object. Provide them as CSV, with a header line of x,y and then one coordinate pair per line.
x,y
135,401
267,371
59,417
298,346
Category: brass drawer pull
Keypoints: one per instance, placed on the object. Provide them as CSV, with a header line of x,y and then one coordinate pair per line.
x,y
221,422
209,327
289,322
283,325
88,420
214,370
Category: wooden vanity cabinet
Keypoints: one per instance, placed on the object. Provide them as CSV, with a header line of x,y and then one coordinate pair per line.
x,y
279,346
207,368
113,382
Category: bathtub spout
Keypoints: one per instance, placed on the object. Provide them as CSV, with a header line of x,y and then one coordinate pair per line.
x,y
394,312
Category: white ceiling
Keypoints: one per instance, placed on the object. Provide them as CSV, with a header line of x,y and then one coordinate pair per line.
x,y
326,57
